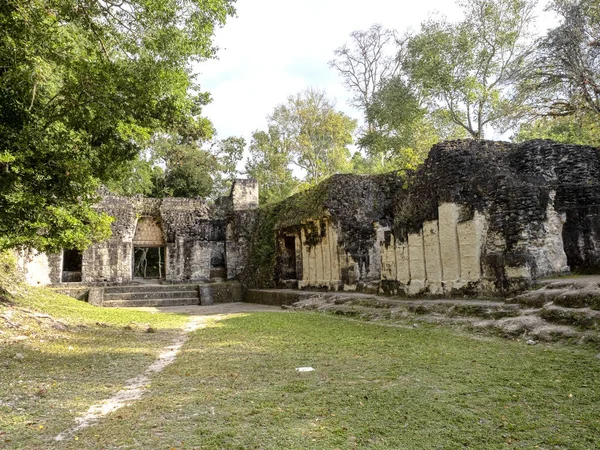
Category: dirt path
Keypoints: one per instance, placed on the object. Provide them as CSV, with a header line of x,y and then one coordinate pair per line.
x,y
136,387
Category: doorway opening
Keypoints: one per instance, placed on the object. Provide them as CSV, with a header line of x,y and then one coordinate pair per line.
x,y
71,266
149,262
288,258
149,249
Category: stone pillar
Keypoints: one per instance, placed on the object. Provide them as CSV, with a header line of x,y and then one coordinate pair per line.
x,y
244,194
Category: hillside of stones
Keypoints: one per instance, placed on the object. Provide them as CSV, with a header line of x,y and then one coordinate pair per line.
x,y
563,309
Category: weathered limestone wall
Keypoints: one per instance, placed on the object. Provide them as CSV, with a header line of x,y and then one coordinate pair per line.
x,y
34,266
111,260
476,216
238,233
322,264
244,194
198,245
441,258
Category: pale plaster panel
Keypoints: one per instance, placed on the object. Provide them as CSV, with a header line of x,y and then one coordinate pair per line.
x,y
326,256
417,262
431,242
334,251
448,214
34,266
312,265
550,253
317,250
305,258
518,272
388,260
471,237
105,268
403,274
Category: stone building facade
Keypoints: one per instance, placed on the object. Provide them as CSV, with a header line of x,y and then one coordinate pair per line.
x,y
477,217
170,239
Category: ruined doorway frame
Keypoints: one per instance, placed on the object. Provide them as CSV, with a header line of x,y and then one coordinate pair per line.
x,y
149,234
162,262
288,258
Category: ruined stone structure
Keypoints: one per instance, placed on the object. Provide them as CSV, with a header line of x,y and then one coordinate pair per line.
x,y
477,217
170,239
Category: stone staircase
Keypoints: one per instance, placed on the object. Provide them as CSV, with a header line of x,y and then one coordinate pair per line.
x,y
151,295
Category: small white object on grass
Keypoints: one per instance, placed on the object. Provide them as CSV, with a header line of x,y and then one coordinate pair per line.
x,y
304,369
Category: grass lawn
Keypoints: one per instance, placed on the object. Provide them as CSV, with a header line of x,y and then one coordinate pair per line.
x,y
235,386
53,371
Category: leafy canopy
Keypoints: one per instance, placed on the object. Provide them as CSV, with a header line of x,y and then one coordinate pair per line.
x,y
84,85
468,70
306,132
564,76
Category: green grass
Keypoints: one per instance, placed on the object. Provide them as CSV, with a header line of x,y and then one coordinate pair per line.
x,y
374,386
53,370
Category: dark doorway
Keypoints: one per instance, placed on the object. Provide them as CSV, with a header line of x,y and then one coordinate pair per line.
x,y
288,258
149,262
71,266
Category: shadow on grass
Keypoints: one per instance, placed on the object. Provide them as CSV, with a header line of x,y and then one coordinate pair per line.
x,y
235,386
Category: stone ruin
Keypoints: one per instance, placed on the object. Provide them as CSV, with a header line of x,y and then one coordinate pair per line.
x,y
166,240
477,217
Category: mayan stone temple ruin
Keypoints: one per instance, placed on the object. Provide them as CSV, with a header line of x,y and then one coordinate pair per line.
x,y
477,218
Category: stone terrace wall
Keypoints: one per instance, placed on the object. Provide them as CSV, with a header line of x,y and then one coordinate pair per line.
x,y
193,234
477,216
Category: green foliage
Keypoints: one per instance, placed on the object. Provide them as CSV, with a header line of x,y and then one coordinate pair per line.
x,y
187,173
227,153
301,207
401,131
467,70
316,135
582,129
83,87
306,132
139,176
269,163
178,165
564,77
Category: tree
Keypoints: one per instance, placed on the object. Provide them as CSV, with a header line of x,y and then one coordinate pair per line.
x,y
306,132
579,128
564,77
227,153
402,131
371,58
84,85
269,163
181,167
468,70
401,134
315,134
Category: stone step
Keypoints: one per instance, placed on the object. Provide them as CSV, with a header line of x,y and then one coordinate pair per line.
x,y
151,288
156,302
149,295
583,318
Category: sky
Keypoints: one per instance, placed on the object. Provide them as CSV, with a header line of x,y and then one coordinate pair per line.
x,y
276,48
